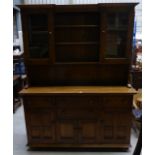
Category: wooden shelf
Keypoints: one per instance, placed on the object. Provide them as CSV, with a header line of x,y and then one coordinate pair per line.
x,y
39,32
77,26
76,63
39,28
117,29
77,43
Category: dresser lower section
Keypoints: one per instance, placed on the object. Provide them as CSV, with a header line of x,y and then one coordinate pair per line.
x,y
79,120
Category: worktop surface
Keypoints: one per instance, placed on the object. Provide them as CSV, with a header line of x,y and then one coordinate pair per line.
x,y
78,89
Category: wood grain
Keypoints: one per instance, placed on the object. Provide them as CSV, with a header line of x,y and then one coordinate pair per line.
x,y
78,89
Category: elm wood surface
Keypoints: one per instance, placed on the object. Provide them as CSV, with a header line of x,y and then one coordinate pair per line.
x,y
78,89
78,116
79,35
71,47
78,74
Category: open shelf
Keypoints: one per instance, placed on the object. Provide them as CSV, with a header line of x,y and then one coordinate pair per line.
x,y
76,26
39,28
117,29
77,63
77,43
39,32
77,38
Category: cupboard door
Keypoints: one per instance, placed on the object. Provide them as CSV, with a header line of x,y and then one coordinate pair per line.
x,y
41,126
88,131
107,128
67,131
115,127
122,127
116,39
38,36
114,36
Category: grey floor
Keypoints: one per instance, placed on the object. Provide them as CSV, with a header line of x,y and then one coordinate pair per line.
x,y
20,140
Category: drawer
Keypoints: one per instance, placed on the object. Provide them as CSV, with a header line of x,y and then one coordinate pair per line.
x,y
40,116
77,113
76,101
116,102
38,101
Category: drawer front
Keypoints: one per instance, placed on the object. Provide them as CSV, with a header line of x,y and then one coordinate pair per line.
x,y
64,113
119,102
42,135
39,101
40,117
76,101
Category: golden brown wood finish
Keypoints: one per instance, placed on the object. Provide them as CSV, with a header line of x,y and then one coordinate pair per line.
x,y
78,115
88,114
78,90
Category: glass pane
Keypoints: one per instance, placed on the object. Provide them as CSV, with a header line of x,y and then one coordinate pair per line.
x,y
117,28
117,20
38,36
116,44
123,20
111,20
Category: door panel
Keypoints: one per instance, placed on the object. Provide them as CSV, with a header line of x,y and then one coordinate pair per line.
x,y
122,127
66,132
107,128
41,126
88,131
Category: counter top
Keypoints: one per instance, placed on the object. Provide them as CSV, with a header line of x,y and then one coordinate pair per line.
x,y
78,89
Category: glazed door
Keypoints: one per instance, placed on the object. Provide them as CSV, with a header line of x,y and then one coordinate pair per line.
x,y
115,36
38,36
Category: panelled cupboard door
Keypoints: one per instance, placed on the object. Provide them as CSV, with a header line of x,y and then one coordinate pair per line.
x,y
107,128
88,131
115,35
122,127
41,126
115,127
67,131
38,36
82,131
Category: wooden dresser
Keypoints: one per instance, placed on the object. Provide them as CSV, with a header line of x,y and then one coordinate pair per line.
x,y
77,60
